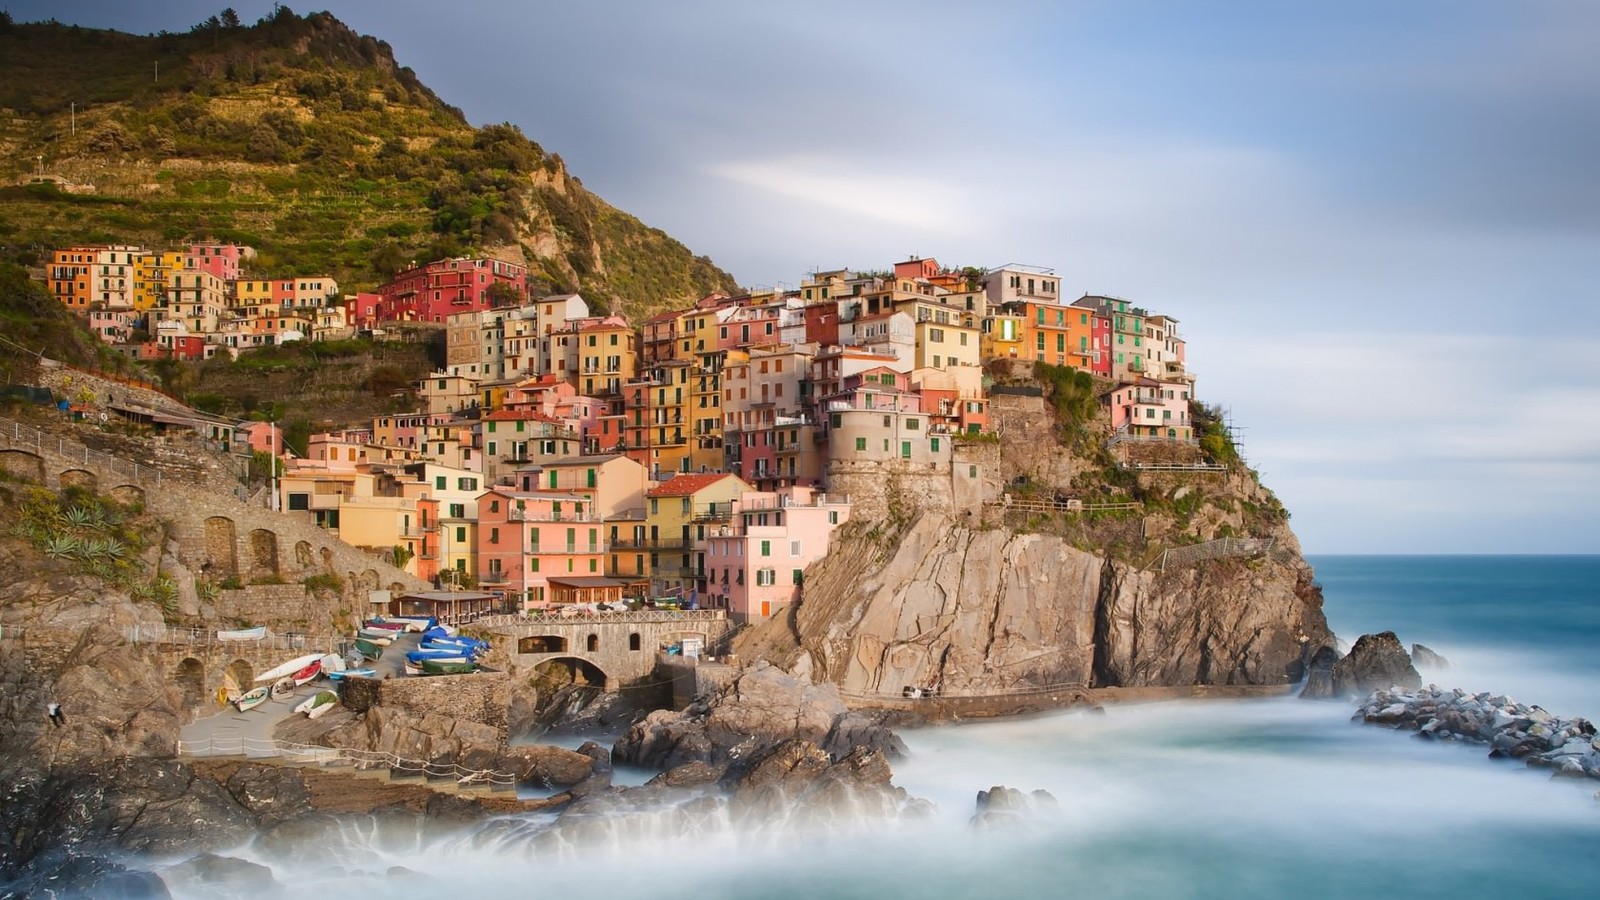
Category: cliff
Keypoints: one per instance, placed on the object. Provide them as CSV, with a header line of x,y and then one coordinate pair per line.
x,y
1068,567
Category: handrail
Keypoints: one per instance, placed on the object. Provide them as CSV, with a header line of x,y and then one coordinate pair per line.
x,y
24,434
612,615
362,759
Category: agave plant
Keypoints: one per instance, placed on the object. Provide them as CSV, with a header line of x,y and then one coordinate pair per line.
x,y
63,546
206,590
108,550
81,517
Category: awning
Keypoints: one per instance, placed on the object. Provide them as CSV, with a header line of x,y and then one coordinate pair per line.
x,y
586,581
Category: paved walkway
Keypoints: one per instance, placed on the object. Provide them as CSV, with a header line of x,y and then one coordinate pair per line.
x,y
230,732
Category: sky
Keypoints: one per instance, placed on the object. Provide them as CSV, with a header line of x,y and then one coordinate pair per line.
x,y
1378,222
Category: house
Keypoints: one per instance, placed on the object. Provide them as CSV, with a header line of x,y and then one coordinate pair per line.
x,y
542,548
678,517
1153,410
754,565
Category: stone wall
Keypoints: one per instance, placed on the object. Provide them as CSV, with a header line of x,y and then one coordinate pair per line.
x,y
68,382
290,607
481,697
898,488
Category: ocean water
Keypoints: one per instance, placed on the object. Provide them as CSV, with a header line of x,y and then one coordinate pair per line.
x,y
1261,798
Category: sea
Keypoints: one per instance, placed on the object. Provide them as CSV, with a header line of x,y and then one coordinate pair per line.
x,y
1196,799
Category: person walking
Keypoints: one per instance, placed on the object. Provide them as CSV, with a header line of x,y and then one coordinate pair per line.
x,y
57,717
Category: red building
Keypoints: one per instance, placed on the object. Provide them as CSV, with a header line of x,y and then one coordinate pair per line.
x,y
433,292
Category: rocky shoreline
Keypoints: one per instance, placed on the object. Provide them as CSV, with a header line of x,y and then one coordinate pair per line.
x,y
1512,730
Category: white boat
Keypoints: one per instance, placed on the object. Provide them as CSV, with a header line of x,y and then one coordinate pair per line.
x,y
318,704
331,663
243,634
289,668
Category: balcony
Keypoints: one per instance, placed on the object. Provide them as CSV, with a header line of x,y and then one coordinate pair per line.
x,y
539,515
713,512
652,544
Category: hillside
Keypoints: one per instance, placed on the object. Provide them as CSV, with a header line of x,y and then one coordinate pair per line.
x,y
309,142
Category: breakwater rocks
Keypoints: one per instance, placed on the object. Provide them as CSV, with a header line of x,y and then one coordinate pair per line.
x,y
1513,730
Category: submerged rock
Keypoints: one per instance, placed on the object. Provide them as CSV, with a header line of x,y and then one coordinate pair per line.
x,y
1004,806
1319,675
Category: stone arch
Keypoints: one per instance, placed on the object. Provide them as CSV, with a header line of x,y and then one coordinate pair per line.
x,y
369,580
128,494
592,643
221,546
238,678
79,478
303,557
577,671
23,464
542,643
190,679
634,641
263,554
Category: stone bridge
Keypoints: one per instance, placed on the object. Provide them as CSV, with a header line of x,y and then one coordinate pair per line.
x,y
614,648
217,534
199,665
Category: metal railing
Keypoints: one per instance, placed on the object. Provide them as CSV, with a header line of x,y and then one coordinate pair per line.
x,y
304,754
569,614
26,435
207,638
1222,547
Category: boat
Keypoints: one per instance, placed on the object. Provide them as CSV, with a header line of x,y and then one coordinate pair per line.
x,y
332,663
290,667
377,636
440,667
383,625
283,687
252,698
440,631
352,673
434,653
368,649
243,634
308,673
319,703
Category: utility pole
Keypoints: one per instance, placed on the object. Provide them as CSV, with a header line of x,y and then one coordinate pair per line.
x,y
272,473
74,107
158,70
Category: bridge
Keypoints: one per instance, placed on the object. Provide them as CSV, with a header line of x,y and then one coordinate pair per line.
x,y
612,648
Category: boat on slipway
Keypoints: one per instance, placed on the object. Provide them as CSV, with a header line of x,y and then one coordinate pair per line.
x,y
253,698
299,663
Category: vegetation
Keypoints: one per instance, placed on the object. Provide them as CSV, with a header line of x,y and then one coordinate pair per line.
x,y
98,535
307,141
31,321
1075,397
1213,433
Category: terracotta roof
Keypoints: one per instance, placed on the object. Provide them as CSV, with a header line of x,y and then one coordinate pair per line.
x,y
525,415
686,485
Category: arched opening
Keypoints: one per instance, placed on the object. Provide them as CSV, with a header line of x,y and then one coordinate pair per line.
x,y
303,557
79,478
190,678
220,547
22,464
569,670
634,643
263,554
237,678
542,643
592,644
128,495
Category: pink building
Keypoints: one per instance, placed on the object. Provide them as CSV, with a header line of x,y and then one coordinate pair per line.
x,y
221,260
361,311
541,548
1151,410
755,565
440,289
263,437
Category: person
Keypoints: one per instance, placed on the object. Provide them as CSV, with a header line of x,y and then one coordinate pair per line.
x,y
57,717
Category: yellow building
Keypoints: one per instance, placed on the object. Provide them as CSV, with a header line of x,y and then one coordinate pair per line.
x,y
152,273
679,516
608,356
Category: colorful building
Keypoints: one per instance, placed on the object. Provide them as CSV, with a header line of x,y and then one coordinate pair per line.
x,y
755,565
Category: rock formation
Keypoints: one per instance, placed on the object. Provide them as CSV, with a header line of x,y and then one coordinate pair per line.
x,y
991,611
1377,661
1513,730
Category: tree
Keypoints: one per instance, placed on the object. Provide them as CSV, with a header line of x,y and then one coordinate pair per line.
x,y
230,19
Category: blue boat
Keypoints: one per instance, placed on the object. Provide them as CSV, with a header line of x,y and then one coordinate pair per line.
x,y
352,673
433,653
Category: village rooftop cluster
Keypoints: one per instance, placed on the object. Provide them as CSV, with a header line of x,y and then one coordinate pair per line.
x,y
563,457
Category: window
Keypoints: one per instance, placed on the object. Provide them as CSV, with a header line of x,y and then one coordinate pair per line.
x,y
861,446
798,575
765,577
439,482
461,534
494,535
466,484
934,444
458,510
766,548
905,449
494,506
913,424
299,501
833,517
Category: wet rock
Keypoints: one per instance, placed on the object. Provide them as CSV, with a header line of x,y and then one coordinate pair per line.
x,y
1002,806
1319,675
1428,659
544,765
691,774
84,877
272,793
222,876
1377,661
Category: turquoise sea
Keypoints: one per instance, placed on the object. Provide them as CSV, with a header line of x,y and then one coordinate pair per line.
x,y
1265,798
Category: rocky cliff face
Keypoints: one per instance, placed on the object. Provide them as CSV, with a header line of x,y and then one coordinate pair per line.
x,y
993,611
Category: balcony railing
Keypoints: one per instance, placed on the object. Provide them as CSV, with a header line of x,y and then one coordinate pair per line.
x,y
539,515
713,512
651,544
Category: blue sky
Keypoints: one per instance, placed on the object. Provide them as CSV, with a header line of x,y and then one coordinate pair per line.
x,y
1378,222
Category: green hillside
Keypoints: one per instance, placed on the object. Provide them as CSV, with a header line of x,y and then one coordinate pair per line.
x,y
307,141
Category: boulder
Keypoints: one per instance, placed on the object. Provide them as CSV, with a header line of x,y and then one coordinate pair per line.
x,y
1008,807
273,793
210,875
1427,659
1377,661
1319,675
